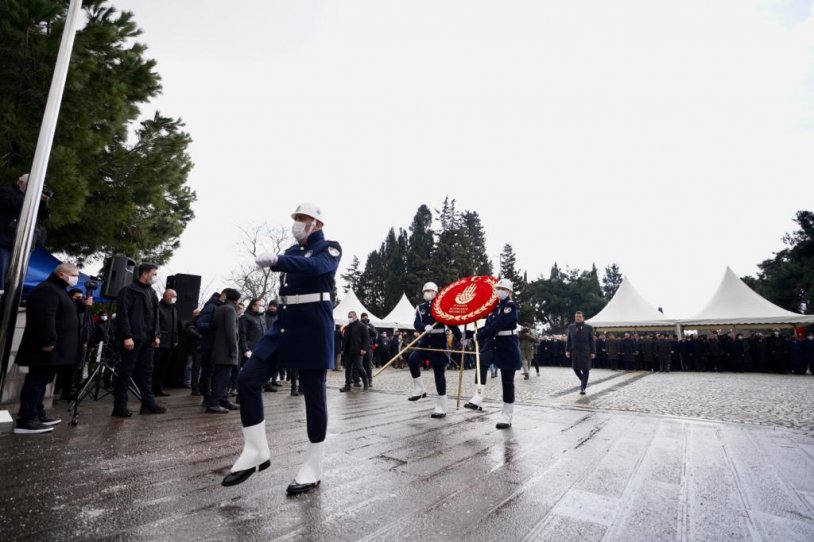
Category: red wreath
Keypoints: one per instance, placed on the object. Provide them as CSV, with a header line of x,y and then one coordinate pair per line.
x,y
465,300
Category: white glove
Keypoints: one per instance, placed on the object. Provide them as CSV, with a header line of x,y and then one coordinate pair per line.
x,y
247,354
467,343
266,260
428,328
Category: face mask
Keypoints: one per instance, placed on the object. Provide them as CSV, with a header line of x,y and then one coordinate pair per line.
x,y
429,296
300,231
173,300
502,294
259,310
103,318
153,280
73,281
351,319
365,320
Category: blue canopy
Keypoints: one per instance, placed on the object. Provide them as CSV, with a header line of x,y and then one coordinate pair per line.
x,y
41,264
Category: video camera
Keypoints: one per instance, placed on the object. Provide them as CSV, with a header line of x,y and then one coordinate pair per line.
x,y
90,285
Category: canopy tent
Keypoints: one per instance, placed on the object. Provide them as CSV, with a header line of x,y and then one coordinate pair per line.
x,y
402,316
352,303
628,309
40,265
736,303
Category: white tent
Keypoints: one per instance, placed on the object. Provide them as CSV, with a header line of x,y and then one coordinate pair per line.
x,y
402,316
352,303
735,303
628,309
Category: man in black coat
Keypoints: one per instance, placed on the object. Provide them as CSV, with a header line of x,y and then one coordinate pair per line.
x,y
11,203
50,340
628,351
664,351
373,334
224,352
778,351
357,345
137,328
580,348
168,335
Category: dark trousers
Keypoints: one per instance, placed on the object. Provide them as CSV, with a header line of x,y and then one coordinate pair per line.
x,y
506,376
163,357
68,379
614,363
220,380
33,392
207,368
582,374
664,364
257,372
368,367
195,377
354,362
438,362
138,365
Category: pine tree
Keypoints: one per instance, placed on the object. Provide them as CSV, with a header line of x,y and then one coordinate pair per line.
x,y
418,259
352,277
508,270
611,281
476,243
113,195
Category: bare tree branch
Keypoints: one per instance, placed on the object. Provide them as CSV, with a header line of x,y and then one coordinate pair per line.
x,y
251,282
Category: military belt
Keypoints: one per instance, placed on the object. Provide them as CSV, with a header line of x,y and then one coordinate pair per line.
x,y
436,330
507,332
305,298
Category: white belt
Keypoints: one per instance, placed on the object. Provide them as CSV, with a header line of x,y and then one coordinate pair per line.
x,y
305,298
436,330
504,333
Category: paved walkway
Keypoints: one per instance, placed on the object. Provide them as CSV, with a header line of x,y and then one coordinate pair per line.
x,y
618,464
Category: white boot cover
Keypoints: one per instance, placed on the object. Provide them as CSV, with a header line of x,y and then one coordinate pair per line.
x,y
311,470
255,448
418,387
477,399
505,415
440,405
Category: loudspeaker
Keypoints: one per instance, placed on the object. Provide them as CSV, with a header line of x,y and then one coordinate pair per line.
x,y
188,288
116,274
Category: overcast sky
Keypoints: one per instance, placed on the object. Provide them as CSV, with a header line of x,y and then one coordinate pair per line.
x,y
671,137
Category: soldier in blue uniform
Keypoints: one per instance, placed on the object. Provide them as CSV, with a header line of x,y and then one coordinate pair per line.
x,y
499,344
435,338
302,338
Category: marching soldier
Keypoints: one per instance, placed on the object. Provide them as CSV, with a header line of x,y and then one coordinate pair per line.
x,y
500,345
301,338
437,340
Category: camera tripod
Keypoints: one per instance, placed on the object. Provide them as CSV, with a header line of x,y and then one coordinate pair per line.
x,y
93,385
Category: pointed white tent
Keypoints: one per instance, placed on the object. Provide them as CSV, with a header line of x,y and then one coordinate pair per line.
x,y
352,303
402,316
735,303
628,309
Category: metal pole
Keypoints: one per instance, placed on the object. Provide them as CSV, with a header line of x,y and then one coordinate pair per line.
x,y
36,180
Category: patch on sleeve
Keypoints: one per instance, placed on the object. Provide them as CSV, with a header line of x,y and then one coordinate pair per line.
x,y
507,310
334,252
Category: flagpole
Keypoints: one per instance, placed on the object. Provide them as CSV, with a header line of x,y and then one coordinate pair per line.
x,y
36,181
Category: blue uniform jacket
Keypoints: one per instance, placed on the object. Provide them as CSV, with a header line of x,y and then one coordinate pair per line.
x,y
423,318
303,334
504,348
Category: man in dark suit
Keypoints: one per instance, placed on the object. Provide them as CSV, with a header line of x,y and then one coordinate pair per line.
x,y
50,341
580,348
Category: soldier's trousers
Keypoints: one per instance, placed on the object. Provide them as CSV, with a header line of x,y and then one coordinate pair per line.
x,y
438,362
257,372
506,376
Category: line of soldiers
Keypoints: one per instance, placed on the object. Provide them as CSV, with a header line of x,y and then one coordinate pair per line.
x,y
714,352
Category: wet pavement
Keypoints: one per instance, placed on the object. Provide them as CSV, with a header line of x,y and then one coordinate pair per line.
x,y
641,457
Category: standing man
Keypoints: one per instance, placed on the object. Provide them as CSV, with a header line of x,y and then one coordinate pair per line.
x,y
224,352
527,344
168,335
612,346
371,330
137,328
580,348
302,338
11,204
436,339
357,343
501,346
663,352
50,340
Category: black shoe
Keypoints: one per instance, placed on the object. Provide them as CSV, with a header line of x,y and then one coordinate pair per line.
x,y
30,427
502,425
117,413
195,393
473,406
294,393
370,384
438,415
295,489
234,478
277,383
45,420
357,385
217,409
186,386
230,406
416,397
582,392
162,393
345,388
153,409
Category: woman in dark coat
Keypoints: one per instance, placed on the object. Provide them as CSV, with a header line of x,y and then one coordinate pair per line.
x,y
50,340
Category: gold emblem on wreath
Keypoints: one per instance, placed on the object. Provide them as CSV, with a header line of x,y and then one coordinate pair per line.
x,y
459,312
466,296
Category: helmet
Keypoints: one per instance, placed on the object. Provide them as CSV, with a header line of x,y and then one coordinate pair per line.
x,y
506,284
430,286
310,209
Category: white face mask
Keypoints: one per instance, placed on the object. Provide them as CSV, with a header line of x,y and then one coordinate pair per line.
x,y
351,319
153,280
103,318
173,300
300,231
73,281
429,295
502,294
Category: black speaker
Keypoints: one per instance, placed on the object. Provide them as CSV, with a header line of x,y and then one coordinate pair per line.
x,y
188,288
116,274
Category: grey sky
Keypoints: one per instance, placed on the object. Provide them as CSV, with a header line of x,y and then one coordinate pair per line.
x,y
673,138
